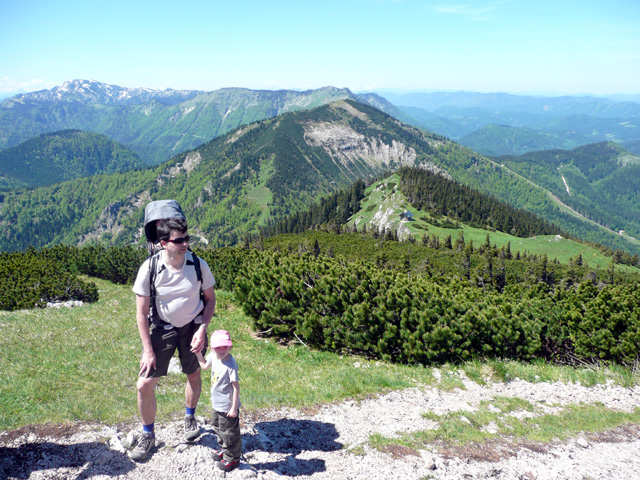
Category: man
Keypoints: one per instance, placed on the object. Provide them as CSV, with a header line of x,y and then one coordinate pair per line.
x,y
179,319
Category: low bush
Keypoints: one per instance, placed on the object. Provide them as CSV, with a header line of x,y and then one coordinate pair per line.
x,y
357,307
30,279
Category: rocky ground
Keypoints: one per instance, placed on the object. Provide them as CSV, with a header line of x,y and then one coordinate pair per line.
x,y
332,442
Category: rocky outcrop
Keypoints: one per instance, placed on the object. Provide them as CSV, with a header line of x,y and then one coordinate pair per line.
x,y
190,162
346,146
110,219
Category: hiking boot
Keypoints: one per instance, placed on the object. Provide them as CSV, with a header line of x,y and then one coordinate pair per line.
x,y
227,466
144,447
217,455
191,428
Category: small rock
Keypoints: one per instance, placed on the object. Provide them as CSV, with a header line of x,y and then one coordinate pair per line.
x,y
581,442
181,447
245,471
130,440
115,443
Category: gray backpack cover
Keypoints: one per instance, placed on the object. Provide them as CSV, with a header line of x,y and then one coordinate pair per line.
x,y
158,210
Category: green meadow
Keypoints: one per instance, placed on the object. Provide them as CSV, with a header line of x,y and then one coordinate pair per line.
x,y
384,196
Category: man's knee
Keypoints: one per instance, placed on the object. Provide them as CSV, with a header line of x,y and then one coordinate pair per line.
x,y
195,378
195,381
145,386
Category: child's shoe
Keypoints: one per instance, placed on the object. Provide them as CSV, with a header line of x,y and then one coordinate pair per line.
x,y
227,465
217,455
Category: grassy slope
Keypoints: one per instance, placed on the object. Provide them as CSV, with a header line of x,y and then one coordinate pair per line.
x,y
380,194
81,364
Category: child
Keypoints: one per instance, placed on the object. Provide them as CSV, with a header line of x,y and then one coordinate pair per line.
x,y
225,400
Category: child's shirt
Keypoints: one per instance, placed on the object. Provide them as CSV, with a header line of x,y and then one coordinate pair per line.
x,y
223,373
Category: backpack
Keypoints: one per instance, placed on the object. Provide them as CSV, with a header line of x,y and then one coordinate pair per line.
x,y
153,272
159,210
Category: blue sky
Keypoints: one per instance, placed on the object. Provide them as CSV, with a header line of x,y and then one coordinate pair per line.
x,y
514,46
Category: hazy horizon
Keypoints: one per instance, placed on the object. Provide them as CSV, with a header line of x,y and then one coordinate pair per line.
x,y
628,97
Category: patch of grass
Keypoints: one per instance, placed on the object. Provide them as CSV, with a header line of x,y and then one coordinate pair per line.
x,y
356,450
449,379
463,427
543,371
476,371
624,376
500,371
573,420
70,364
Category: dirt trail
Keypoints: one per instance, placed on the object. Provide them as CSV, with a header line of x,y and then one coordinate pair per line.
x,y
333,442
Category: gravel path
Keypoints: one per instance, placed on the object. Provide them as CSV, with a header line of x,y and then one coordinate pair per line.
x,y
331,442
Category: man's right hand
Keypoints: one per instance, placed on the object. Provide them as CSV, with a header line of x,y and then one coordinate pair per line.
x,y
147,363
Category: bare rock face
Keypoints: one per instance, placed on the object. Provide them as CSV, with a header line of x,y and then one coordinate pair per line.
x,y
191,161
347,146
111,216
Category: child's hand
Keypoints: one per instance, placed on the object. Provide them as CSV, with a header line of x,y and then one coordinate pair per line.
x,y
203,363
233,413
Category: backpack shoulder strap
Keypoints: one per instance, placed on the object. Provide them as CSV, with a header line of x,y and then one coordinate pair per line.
x,y
196,265
153,272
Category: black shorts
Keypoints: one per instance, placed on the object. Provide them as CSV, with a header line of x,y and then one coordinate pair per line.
x,y
165,342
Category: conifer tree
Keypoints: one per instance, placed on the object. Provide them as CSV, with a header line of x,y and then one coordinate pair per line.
x,y
447,242
611,272
501,276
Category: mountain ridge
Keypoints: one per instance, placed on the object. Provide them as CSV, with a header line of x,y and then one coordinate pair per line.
x,y
63,155
156,124
267,170
226,186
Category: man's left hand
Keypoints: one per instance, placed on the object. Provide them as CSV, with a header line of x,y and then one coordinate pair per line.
x,y
197,342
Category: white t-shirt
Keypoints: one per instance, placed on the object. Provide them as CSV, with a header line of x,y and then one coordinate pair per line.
x,y
177,291
223,373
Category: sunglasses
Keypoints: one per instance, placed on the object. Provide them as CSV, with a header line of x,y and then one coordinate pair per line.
x,y
180,240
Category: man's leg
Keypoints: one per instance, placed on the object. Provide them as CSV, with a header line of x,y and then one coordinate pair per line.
x,y
147,399
192,389
147,407
191,396
193,386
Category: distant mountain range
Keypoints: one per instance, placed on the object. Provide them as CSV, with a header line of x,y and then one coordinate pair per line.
x,y
481,121
155,124
271,168
65,155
